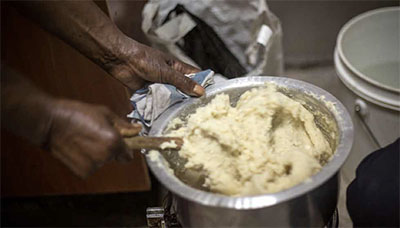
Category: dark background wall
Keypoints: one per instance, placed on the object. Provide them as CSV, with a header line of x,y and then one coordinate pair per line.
x,y
310,28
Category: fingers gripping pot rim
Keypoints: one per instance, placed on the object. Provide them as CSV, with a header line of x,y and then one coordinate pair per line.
x,y
281,205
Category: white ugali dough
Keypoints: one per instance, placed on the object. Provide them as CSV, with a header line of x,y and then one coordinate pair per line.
x,y
265,144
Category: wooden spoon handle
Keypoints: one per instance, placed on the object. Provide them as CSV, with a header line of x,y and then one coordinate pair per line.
x,y
142,142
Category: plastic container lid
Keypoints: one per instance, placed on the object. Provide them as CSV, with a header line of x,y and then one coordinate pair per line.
x,y
367,56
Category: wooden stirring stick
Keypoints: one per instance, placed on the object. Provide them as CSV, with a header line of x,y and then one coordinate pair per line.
x,y
142,142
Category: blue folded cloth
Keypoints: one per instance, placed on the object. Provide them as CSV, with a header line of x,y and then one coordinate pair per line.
x,y
152,100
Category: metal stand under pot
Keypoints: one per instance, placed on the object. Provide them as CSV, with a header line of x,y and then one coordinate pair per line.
x,y
165,217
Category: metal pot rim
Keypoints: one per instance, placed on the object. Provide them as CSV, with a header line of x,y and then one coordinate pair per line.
x,y
172,183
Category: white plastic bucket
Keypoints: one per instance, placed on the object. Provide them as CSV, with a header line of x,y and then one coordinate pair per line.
x,y
367,56
367,62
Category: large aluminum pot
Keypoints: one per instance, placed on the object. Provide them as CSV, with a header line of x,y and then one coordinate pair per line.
x,y
309,204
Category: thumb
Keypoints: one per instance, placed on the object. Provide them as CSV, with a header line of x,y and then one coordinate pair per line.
x,y
124,128
127,129
182,82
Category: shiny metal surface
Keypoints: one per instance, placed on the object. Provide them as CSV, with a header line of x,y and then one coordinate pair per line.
x,y
308,204
313,209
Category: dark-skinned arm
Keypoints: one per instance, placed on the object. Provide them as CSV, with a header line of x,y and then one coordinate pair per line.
x,y
85,27
82,136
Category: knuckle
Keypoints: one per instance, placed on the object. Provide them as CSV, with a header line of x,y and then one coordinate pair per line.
x,y
161,76
112,139
170,62
122,74
186,82
114,147
165,76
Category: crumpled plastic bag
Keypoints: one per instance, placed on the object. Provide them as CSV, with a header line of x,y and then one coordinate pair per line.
x,y
203,45
248,28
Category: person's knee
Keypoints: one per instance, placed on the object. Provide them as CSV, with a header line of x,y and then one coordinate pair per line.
x,y
373,196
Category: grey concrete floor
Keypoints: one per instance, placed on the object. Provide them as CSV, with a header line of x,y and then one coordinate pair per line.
x,y
325,77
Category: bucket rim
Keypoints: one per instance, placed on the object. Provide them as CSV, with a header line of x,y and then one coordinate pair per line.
x,y
355,84
343,57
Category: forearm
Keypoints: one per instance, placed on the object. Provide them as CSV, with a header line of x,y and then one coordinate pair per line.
x,y
25,110
81,135
82,25
85,27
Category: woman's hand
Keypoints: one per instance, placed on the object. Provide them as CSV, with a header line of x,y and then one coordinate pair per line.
x,y
86,28
139,63
85,136
81,135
